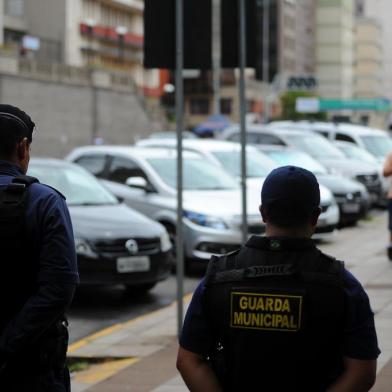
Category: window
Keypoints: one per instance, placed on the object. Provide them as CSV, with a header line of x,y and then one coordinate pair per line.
x,y
14,7
121,169
199,106
226,105
265,138
251,138
344,138
95,164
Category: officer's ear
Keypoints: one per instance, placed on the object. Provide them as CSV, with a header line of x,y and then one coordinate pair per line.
x,y
314,217
23,149
263,213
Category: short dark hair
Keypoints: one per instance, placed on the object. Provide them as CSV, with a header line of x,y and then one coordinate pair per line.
x,y
15,125
288,217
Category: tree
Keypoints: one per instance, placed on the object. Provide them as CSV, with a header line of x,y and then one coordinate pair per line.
x,y
288,102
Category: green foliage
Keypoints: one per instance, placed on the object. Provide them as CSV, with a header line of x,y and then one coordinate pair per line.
x,y
288,101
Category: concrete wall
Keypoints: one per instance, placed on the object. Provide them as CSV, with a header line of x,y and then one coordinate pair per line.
x,y
69,115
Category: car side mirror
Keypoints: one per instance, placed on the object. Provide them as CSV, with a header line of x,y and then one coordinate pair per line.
x,y
139,183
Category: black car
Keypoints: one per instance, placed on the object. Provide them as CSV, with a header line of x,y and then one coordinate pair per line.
x,y
114,243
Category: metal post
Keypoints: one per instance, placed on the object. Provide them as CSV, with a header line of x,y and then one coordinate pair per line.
x,y
180,120
266,23
216,53
242,61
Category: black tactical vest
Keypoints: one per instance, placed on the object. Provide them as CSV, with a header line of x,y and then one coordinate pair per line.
x,y
277,310
19,260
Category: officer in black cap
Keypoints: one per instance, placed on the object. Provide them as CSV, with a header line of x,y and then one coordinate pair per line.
x,y
279,315
38,268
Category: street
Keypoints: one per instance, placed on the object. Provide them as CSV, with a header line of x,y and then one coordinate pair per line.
x,y
95,308
361,247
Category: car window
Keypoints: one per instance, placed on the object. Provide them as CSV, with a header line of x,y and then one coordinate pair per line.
x,y
265,138
251,138
122,168
323,133
75,183
95,164
344,138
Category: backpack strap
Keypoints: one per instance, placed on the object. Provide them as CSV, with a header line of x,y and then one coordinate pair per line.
x,y
25,180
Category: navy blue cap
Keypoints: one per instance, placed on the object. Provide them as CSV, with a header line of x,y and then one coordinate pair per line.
x,y
291,186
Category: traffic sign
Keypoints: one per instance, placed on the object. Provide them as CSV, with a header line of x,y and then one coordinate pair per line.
x,y
314,105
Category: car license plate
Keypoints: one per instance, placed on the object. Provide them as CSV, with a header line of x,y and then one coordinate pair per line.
x,y
351,208
133,264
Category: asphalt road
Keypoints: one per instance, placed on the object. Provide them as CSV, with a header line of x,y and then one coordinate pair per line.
x,y
96,308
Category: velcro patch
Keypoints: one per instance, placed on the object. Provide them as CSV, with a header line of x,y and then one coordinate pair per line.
x,y
272,312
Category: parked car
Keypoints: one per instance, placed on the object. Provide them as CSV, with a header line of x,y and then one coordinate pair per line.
x,y
351,196
228,156
114,244
376,141
319,148
356,153
146,179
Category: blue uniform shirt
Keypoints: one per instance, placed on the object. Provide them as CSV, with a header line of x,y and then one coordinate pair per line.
x,y
360,338
49,225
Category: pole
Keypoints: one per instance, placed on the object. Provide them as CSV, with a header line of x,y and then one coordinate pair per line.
x,y
266,22
216,53
180,120
242,61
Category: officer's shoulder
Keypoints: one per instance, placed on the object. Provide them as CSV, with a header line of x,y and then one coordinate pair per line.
x,y
336,264
45,191
219,262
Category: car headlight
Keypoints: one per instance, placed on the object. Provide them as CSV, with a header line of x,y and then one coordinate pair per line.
x,y
205,220
165,242
84,249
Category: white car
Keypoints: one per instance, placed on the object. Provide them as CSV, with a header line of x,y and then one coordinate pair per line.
x,y
146,180
228,156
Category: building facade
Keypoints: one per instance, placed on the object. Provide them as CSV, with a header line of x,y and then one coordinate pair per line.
x,y
368,58
381,10
335,48
104,34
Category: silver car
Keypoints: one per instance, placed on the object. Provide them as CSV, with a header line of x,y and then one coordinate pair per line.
x,y
316,146
146,180
227,155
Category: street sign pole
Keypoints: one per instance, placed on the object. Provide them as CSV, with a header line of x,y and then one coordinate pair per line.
x,y
180,121
242,62
266,38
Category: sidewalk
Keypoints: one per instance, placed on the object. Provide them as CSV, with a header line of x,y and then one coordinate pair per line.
x,y
143,351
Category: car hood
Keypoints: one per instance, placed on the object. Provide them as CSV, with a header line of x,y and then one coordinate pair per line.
x,y
112,221
340,184
347,167
220,203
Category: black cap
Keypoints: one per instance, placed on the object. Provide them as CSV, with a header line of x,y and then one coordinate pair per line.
x,y
13,113
291,187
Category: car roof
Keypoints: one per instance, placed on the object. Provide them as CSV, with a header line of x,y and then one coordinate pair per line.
x,y
207,145
53,162
360,130
138,152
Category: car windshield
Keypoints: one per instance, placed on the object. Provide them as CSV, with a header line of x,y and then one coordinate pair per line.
x,y
379,146
76,184
296,158
256,164
315,145
353,152
199,174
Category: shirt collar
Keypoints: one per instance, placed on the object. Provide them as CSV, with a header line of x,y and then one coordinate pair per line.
x,y
280,243
10,169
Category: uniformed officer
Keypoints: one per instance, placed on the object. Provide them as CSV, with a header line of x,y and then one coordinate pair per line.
x,y
38,268
279,315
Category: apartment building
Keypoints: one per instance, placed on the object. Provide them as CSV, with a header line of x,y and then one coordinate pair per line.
x,y
381,10
104,34
335,48
368,59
